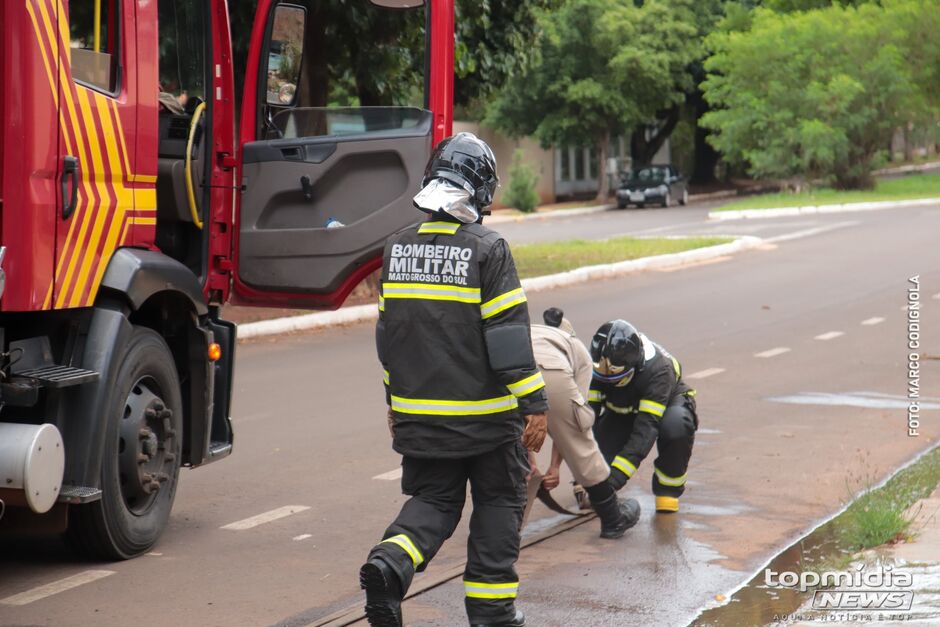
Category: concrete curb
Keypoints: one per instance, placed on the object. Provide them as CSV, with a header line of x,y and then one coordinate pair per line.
x,y
547,215
365,313
781,212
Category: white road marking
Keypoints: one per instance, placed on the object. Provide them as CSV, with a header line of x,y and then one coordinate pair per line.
x,y
773,352
302,536
829,335
391,475
266,517
786,237
706,431
851,400
41,592
936,296
155,554
704,374
873,321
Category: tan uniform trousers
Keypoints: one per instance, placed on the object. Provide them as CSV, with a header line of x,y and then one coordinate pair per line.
x,y
566,367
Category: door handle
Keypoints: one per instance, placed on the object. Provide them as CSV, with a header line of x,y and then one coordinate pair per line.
x,y
307,187
69,195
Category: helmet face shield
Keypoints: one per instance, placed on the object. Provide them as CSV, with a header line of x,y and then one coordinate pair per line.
x,y
607,372
442,195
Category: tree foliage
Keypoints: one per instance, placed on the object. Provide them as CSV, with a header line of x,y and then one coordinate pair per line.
x,y
818,94
600,68
376,57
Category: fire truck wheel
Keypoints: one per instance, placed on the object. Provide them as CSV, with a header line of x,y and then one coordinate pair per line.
x,y
141,459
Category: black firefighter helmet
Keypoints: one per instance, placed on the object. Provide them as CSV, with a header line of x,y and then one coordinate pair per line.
x,y
617,352
466,161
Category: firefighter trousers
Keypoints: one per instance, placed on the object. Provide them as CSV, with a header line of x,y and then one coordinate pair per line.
x,y
673,445
438,489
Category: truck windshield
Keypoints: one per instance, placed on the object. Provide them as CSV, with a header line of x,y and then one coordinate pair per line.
x,y
182,52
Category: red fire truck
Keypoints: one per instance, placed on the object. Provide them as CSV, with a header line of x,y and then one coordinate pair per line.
x,y
131,210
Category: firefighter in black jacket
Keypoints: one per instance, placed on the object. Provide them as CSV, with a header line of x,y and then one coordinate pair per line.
x,y
465,396
639,398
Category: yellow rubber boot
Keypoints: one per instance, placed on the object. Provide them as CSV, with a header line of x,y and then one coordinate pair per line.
x,y
667,504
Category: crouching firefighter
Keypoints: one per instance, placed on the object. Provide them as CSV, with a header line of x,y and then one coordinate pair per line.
x,y
640,398
566,366
465,396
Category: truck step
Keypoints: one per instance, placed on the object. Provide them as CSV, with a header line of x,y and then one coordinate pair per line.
x,y
59,376
219,449
77,494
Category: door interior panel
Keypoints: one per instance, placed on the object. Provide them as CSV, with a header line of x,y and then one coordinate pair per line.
x,y
292,187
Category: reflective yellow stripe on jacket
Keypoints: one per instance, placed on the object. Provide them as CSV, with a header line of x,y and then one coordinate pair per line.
x,y
425,291
408,547
480,590
595,396
619,409
624,465
443,228
652,407
439,407
502,302
527,385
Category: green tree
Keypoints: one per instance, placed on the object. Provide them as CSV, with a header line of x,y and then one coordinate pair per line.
x,y
520,191
600,67
814,94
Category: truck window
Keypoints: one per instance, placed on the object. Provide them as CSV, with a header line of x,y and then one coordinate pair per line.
x,y
323,79
182,53
93,27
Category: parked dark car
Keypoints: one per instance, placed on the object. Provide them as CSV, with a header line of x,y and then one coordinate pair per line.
x,y
659,184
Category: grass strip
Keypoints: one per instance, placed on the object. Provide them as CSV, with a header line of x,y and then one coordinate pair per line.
x,y
904,188
878,516
552,257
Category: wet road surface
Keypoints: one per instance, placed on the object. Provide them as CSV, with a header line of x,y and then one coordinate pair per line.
x,y
313,481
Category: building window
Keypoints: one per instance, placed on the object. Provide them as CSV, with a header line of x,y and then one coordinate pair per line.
x,y
93,27
565,158
578,164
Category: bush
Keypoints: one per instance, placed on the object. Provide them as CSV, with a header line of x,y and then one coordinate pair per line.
x,y
818,94
520,191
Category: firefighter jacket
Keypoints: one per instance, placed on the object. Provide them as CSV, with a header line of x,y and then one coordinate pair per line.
x,y
453,337
643,399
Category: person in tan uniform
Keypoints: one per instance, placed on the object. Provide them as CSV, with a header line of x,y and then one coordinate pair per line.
x,y
566,368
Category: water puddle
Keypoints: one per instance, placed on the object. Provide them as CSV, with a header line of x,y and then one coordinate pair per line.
x,y
759,604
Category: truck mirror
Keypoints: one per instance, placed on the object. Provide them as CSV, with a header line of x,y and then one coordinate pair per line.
x,y
285,54
398,4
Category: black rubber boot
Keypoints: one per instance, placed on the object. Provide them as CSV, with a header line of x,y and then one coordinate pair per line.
x,y
383,593
516,621
617,515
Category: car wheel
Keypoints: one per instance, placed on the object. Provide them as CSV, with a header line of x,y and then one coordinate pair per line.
x,y
141,456
621,204
685,198
640,205
667,201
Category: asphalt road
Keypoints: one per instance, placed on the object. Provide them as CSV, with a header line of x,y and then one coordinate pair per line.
x,y
309,414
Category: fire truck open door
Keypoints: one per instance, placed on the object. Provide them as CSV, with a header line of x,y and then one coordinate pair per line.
x,y
322,187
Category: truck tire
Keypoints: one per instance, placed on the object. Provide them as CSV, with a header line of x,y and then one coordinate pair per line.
x,y
141,457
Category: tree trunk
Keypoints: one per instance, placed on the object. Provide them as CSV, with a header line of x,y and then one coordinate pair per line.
x,y
705,157
603,187
314,87
643,150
